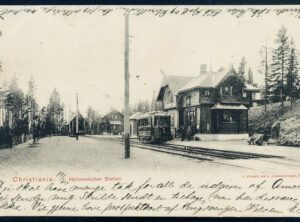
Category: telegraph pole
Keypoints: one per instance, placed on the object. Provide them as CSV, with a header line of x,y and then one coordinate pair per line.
x,y
266,78
126,92
76,116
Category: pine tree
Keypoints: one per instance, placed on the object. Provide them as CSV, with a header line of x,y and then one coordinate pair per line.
x,y
54,112
292,77
279,67
264,70
14,105
250,76
30,103
241,69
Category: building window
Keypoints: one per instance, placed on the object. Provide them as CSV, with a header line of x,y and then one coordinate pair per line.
x,y
226,90
172,120
206,92
190,118
198,118
188,101
227,117
244,94
170,97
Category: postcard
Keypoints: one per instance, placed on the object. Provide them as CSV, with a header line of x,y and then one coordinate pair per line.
x,y
131,110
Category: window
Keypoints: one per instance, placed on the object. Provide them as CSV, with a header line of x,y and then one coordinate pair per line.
x,y
190,118
227,117
226,91
244,94
172,120
206,92
170,97
188,100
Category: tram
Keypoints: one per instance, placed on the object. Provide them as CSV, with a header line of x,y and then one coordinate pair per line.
x,y
154,127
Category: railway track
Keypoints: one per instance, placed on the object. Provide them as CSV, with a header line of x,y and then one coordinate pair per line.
x,y
190,151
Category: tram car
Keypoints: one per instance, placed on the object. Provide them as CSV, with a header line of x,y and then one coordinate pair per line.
x,y
154,127
81,125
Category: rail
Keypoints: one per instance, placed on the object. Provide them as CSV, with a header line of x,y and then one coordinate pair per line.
x,y
191,151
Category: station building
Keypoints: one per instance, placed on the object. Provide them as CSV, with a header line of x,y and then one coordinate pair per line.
x,y
210,103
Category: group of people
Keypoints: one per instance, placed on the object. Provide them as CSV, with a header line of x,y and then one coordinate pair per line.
x,y
186,132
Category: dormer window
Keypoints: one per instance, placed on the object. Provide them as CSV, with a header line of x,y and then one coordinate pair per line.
x,y
226,90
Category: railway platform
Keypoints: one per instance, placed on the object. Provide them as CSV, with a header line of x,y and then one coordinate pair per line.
x,y
240,146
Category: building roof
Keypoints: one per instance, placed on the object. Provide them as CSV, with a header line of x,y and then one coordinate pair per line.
x,y
249,87
175,82
179,84
115,122
113,111
207,80
219,106
136,115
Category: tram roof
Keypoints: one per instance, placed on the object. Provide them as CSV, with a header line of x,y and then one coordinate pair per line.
x,y
153,113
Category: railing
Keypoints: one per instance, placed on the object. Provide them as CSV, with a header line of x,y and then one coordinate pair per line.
x,y
234,99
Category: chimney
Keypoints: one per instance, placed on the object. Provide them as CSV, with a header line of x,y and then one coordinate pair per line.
x,y
203,69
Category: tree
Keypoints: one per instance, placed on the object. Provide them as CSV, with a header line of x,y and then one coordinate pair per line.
x,y
54,113
30,103
14,107
241,69
264,70
250,76
292,78
279,67
91,119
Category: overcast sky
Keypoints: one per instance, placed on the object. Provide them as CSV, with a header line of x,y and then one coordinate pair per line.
x,y
85,53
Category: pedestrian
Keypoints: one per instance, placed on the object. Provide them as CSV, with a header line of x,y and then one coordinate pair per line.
x,y
10,140
183,132
189,133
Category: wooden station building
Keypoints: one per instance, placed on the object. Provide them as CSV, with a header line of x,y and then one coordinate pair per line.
x,y
210,103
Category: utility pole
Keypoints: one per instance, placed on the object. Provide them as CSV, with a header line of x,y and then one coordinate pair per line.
x,y
266,77
69,120
76,116
126,91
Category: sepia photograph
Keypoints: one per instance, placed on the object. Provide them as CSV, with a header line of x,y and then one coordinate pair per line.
x,y
150,111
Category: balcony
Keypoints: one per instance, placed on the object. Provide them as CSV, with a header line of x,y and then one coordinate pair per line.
x,y
235,99
208,99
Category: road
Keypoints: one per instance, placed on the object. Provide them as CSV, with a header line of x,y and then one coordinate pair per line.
x,y
88,155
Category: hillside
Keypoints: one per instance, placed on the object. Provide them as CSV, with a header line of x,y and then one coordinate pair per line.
x,y
281,127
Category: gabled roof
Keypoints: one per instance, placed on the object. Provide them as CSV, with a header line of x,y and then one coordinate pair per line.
x,y
175,82
208,80
136,115
74,116
178,84
113,111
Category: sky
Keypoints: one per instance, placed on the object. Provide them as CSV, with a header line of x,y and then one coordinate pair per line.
x,y
84,54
